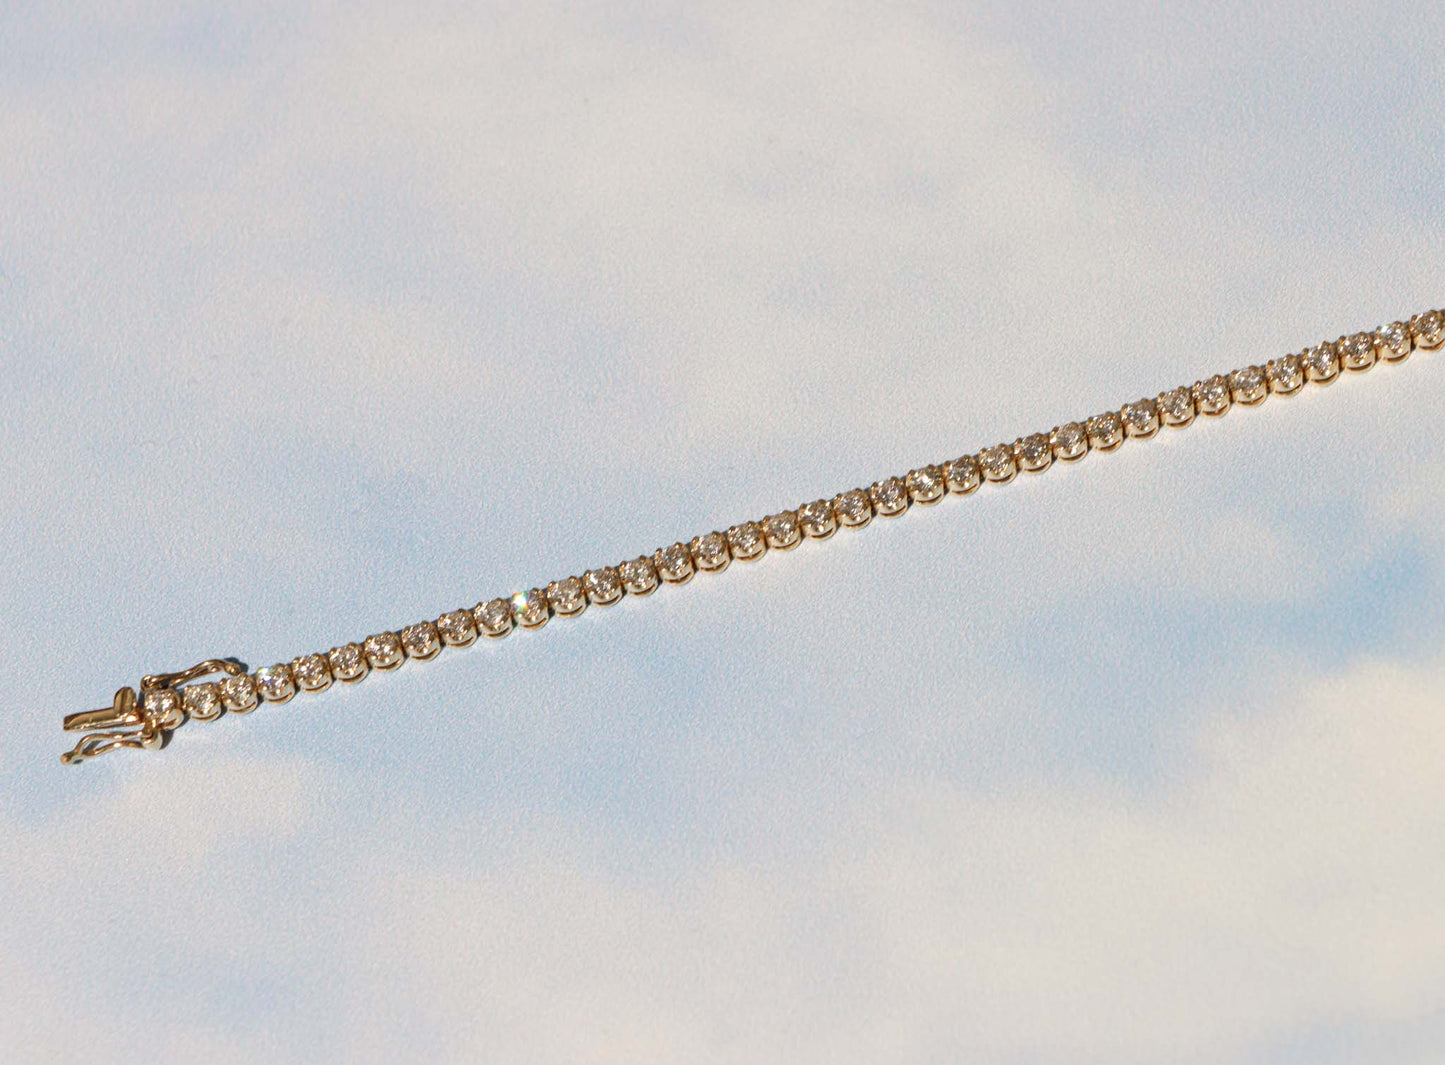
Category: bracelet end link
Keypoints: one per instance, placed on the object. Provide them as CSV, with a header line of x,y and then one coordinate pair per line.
x,y
138,720
124,713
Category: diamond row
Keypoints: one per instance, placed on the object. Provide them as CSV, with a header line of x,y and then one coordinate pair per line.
x,y
713,552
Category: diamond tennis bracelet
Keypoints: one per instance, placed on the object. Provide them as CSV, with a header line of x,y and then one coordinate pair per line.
x,y
145,718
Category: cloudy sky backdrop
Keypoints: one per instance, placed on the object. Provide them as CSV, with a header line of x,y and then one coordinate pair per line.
x,y
321,319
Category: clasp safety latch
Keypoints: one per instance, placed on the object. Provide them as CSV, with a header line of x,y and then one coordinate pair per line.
x,y
140,720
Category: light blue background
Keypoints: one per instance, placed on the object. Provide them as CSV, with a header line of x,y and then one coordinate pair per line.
x,y
322,320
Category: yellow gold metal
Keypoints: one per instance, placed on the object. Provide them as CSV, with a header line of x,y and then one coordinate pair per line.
x,y
312,672
674,563
238,694
457,628
202,702
383,651
1248,385
782,531
421,641
1034,453
710,552
1286,375
639,576
1106,431
997,464
1428,329
275,684
746,541
1321,362
1070,441
1394,342
926,485
1140,418
348,663
494,618
853,509
1357,351
1176,407
567,596
889,496
962,475
123,710
530,608
603,585
817,520
143,717
1211,396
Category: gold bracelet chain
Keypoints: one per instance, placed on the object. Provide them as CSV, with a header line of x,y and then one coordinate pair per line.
x,y
165,701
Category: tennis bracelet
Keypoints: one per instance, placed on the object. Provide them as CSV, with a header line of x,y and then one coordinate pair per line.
x,y
146,717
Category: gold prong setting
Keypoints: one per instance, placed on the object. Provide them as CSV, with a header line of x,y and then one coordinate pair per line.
x,y
889,497
567,596
348,663
202,702
1428,329
275,684
1321,362
1070,441
1286,375
312,672
493,618
926,485
239,694
1034,453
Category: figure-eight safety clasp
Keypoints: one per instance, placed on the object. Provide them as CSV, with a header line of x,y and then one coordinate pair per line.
x,y
139,720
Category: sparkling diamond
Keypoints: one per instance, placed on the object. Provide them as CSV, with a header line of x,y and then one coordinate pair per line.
x,y
674,564
348,662
962,475
530,608
494,618
1357,351
710,552
1285,375
1394,340
781,530
603,586
1106,431
925,484
238,694
1247,385
457,628
274,683
746,541
311,672
384,650
163,706
1034,452
997,463
1176,406
567,596
1429,329
1212,395
1141,418
1321,362
889,496
816,519
421,640
202,702
639,576
853,508
1070,441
